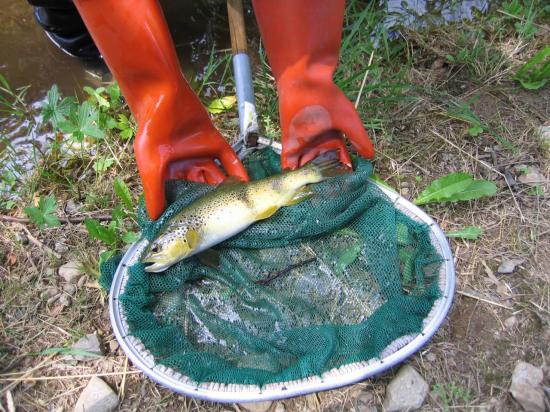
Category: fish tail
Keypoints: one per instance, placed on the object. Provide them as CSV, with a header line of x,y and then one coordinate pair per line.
x,y
327,168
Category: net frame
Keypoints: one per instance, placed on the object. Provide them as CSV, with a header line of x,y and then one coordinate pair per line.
x,y
395,353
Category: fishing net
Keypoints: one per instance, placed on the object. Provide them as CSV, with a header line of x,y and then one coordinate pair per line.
x,y
328,282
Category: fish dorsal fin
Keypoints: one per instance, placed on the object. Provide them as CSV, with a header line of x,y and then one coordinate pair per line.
x,y
210,258
193,238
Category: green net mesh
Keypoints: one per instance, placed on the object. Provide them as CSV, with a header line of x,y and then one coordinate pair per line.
x,y
328,282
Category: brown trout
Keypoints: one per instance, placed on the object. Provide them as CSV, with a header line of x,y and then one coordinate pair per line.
x,y
229,209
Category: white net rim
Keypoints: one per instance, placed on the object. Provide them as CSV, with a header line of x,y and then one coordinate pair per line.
x,y
396,352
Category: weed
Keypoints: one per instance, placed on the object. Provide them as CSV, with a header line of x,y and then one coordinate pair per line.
x,y
43,214
463,112
115,233
477,55
450,394
12,102
535,73
523,15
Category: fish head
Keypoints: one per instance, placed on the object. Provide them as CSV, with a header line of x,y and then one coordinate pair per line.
x,y
165,251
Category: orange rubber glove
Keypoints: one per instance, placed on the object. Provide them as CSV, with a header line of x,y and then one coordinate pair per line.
x,y
176,138
302,41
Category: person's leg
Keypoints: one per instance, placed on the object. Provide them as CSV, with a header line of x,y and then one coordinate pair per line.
x,y
302,41
176,138
64,27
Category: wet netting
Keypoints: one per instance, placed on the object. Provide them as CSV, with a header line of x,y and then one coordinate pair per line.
x,y
328,282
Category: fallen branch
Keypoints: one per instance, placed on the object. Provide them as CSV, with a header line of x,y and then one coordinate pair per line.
x,y
482,299
75,219
50,378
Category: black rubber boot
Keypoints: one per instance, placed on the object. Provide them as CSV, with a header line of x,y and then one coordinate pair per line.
x,y
64,27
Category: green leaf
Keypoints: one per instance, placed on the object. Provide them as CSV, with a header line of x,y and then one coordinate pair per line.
x,y
102,164
127,134
477,189
455,187
124,194
222,104
536,72
114,95
475,130
533,85
106,255
118,214
44,214
87,120
98,231
468,232
348,257
96,94
131,237
443,188
56,111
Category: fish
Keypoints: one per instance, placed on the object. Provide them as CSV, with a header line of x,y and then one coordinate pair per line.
x,y
229,209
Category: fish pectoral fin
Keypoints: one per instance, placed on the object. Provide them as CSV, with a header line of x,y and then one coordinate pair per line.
x,y
264,214
155,268
304,193
210,258
193,238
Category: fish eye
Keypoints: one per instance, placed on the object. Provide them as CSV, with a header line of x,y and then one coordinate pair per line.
x,y
155,248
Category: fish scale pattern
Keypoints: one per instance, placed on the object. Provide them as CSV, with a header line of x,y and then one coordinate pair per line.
x,y
328,282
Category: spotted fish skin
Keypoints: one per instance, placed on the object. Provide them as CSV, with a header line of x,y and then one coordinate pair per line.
x,y
229,209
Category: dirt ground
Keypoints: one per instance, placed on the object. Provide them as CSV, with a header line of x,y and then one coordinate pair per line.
x,y
496,321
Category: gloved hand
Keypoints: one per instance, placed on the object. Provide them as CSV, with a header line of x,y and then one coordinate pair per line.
x,y
302,41
176,138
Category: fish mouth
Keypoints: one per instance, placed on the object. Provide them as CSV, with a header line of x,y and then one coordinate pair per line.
x,y
158,262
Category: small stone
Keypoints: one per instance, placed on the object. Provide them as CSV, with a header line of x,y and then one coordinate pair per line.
x,y
71,271
89,343
50,292
528,374
61,247
70,289
532,176
511,322
256,406
406,391
364,402
65,300
82,281
438,63
430,357
279,407
71,207
526,387
509,266
50,272
53,299
405,191
544,140
113,346
21,238
97,397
